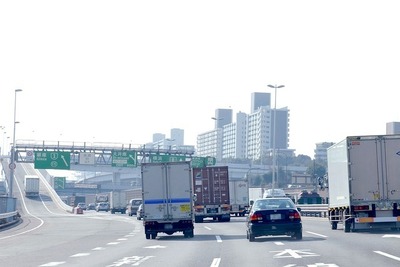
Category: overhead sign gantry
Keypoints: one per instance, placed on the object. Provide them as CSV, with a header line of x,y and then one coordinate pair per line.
x,y
56,155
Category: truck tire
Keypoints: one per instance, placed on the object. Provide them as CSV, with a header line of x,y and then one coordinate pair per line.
x,y
153,236
347,226
198,219
188,233
147,236
334,225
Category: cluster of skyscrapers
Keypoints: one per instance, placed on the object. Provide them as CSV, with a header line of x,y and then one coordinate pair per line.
x,y
247,136
250,136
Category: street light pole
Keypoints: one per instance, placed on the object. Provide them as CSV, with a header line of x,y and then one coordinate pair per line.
x,y
4,134
273,139
12,163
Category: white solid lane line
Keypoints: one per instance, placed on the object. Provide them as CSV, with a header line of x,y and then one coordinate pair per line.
x,y
215,262
387,255
312,233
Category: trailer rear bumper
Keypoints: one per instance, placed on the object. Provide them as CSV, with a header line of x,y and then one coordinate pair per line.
x,y
154,227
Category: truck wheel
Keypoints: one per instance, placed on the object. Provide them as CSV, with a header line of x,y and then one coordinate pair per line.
x,y
153,236
334,225
191,233
147,236
346,227
198,219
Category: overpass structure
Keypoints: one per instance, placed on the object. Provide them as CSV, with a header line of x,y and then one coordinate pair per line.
x,y
118,163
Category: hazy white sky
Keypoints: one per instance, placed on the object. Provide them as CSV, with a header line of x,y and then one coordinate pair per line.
x,y
119,71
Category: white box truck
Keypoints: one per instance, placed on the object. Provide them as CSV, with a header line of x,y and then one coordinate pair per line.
x,y
239,197
31,185
364,182
167,194
118,202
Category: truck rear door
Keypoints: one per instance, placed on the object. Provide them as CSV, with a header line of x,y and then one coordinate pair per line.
x,y
374,168
179,191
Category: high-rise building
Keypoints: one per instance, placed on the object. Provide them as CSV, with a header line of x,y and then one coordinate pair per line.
x,y
393,127
222,117
234,138
320,152
259,100
177,136
251,136
210,144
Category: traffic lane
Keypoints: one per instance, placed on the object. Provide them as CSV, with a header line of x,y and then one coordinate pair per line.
x,y
352,249
319,244
63,237
204,249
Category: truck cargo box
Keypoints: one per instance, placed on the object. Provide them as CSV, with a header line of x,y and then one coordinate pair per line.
x,y
364,184
31,185
167,194
211,188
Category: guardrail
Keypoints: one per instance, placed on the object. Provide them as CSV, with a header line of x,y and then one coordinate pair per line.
x,y
314,210
8,218
8,214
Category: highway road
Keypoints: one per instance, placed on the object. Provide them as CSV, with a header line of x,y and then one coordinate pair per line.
x,y
50,236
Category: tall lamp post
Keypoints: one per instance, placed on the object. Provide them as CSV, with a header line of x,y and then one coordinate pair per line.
x,y
273,139
12,163
4,134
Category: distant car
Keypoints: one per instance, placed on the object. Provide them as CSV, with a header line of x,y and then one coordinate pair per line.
x,y
82,206
133,206
139,212
274,216
102,206
91,206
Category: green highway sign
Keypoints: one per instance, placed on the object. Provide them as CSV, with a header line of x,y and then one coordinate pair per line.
x,y
201,162
52,160
124,159
59,183
210,161
157,158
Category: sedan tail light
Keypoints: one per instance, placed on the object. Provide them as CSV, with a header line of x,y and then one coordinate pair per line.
x,y
294,215
256,217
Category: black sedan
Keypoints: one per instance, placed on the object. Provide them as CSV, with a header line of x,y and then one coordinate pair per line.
x,y
274,216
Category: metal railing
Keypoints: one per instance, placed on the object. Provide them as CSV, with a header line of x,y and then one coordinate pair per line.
x,y
314,210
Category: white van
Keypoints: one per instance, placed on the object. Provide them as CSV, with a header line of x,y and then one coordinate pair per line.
x,y
133,206
274,193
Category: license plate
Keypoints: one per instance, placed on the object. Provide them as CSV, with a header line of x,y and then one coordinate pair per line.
x,y
168,227
275,216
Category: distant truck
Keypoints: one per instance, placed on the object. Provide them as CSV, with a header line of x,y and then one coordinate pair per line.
x,y
31,185
239,197
167,194
211,188
118,202
74,200
364,185
101,198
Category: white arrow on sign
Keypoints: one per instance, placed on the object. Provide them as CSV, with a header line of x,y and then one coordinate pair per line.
x,y
63,158
157,246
